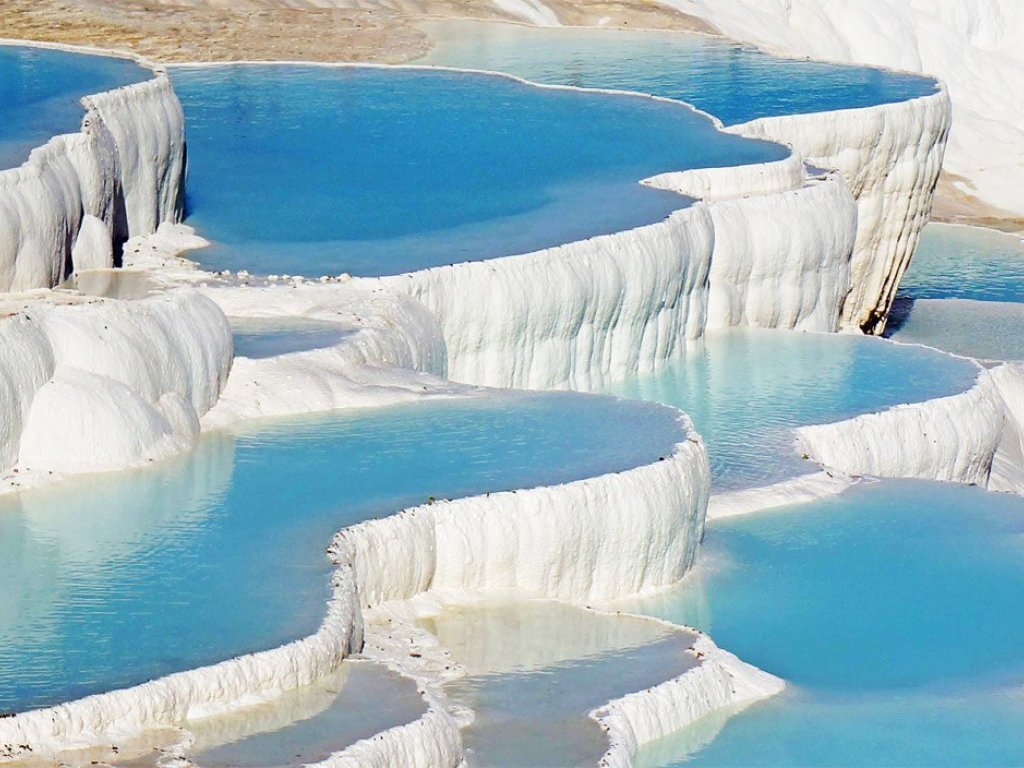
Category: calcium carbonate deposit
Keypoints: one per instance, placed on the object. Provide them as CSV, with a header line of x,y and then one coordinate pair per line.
x,y
267,496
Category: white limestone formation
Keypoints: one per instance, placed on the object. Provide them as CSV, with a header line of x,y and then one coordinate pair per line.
x,y
82,194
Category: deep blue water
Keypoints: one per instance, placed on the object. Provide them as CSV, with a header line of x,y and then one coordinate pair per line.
x,y
313,171
747,389
732,82
103,575
40,91
893,612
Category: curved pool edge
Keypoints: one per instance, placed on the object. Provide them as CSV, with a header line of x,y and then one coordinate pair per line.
x,y
239,671
432,539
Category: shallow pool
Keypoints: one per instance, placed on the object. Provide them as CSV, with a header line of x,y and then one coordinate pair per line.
x,y
307,725
964,293
322,170
40,91
535,670
893,612
956,262
735,83
747,389
226,543
260,338
987,330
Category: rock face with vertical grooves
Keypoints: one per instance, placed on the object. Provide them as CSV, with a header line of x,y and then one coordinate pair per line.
x,y
81,195
890,156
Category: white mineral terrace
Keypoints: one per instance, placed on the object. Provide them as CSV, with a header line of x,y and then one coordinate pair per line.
x,y
775,245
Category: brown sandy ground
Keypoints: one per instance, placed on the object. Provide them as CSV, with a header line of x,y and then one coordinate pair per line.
x,y
231,30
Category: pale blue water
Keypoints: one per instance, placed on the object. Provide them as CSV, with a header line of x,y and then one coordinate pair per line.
x,y
536,669
312,170
954,262
893,611
308,725
103,576
964,293
732,82
269,338
747,389
40,91
988,330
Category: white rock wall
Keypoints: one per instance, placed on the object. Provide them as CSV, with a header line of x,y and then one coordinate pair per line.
x,y
627,301
121,175
890,156
597,539
973,437
104,385
720,681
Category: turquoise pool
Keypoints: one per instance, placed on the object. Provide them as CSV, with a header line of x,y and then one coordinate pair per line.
x,y
40,91
733,82
747,389
955,262
321,170
964,293
892,611
103,574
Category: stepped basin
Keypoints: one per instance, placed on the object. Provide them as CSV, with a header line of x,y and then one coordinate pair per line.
x,y
309,724
747,389
310,171
732,82
988,330
535,669
259,338
892,612
226,543
40,90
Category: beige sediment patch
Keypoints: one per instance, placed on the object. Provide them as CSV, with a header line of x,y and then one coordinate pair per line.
x,y
170,33
293,30
956,205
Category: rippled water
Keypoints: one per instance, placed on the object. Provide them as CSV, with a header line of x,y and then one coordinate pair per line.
x,y
535,669
732,82
954,262
102,575
40,91
892,610
747,389
313,170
